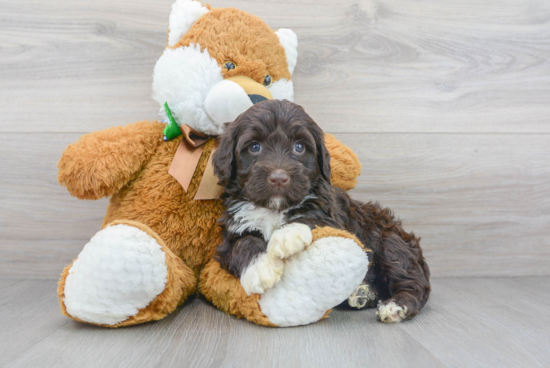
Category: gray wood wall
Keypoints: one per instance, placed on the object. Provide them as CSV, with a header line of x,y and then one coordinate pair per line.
x,y
446,102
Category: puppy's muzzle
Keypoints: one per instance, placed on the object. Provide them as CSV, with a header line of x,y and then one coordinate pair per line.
x,y
279,179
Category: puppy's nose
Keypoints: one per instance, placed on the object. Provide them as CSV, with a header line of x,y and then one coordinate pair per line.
x,y
279,178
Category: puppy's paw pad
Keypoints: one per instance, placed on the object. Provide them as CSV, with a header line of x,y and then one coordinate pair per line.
x,y
362,297
391,312
262,274
289,240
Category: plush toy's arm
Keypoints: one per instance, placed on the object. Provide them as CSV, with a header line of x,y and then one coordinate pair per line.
x,y
99,164
344,164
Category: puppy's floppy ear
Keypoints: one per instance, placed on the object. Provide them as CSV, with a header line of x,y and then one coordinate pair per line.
x,y
323,156
224,157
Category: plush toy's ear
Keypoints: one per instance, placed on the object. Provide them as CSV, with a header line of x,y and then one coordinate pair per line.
x,y
184,14
289,40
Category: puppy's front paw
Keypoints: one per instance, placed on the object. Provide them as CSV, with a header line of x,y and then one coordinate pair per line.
x,y
262,274
391,312
362,297
289,240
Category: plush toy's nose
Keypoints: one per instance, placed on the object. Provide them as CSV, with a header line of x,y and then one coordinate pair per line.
x,y
255,91
256,98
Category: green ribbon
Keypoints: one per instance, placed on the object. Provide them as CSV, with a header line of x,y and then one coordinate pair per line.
x,y
172,130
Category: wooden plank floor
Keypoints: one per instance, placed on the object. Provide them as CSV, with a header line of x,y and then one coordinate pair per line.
x,y
474,322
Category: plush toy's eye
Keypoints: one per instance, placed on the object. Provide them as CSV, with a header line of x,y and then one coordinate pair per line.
x,y
229,65
299,147
255,147
268,81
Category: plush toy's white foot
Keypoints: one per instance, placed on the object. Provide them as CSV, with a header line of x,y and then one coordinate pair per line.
x,y
289,240
391,312
121,270
314,281
264,272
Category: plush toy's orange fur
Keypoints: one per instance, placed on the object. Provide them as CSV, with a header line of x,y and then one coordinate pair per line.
x,y
232,34
130,165
345,168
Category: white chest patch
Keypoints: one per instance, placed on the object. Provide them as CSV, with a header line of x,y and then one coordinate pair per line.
x,y
249,217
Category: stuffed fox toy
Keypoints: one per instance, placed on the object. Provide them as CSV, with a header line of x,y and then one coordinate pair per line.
x,y
158,240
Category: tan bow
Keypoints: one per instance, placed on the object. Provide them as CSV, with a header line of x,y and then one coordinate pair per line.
x,y
185,163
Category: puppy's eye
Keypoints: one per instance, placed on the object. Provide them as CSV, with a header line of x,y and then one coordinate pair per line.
x,y
255,147
267,80
229,65
299,147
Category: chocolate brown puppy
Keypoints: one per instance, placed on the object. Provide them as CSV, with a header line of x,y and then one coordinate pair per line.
x,y
275,169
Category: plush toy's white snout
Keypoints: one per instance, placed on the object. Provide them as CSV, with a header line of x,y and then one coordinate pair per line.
x,y
182,78
232,96
225,101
